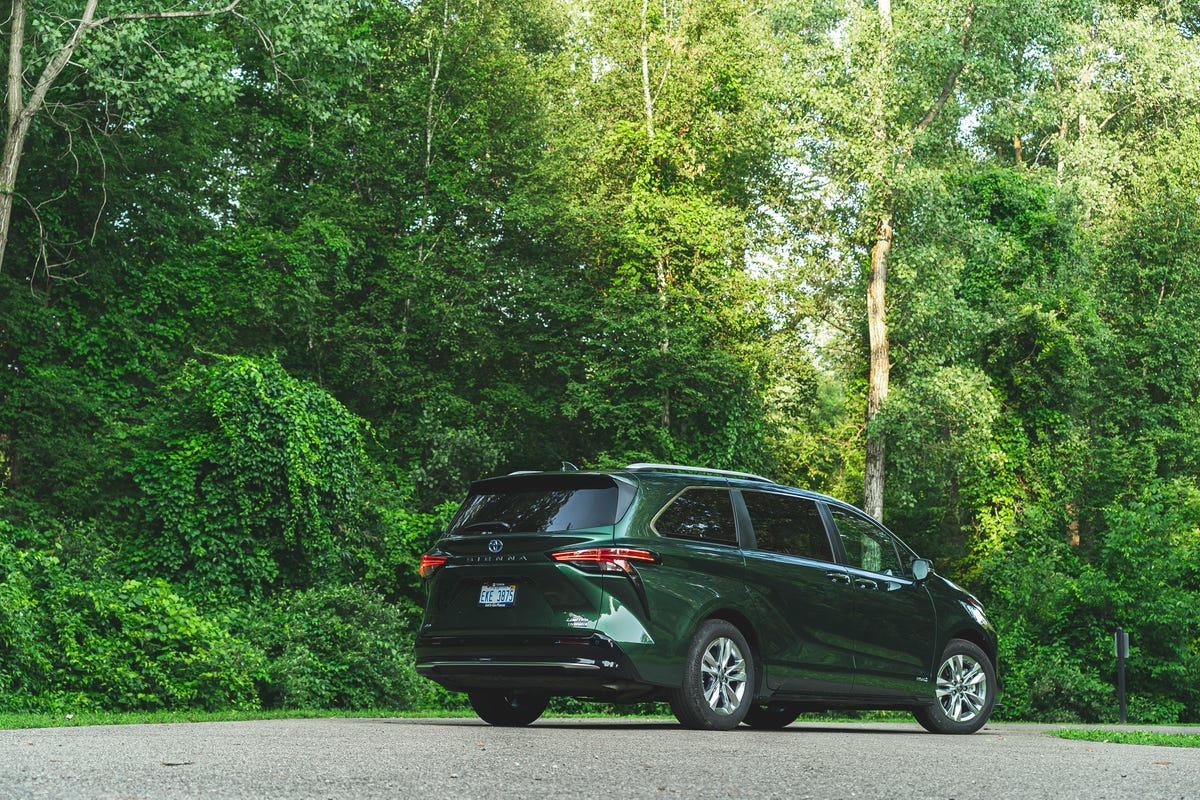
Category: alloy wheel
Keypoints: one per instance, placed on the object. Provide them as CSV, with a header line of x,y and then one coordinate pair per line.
x,y
723,676
962,688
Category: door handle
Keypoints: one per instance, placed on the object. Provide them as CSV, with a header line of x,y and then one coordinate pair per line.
x,y
864,583
838,577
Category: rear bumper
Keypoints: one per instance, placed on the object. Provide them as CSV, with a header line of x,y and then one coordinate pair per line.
x,y
589,666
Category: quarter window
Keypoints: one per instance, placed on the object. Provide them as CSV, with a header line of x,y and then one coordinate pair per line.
x,y
704,514
788,524
867,545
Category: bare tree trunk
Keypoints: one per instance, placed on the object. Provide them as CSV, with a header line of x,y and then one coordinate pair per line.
x,y
424,248
11,160
647,97
662,271
19,114
877,390
664,344
877,387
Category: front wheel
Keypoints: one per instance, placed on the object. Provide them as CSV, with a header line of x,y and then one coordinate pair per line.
x,y
718,679
508,709
966,691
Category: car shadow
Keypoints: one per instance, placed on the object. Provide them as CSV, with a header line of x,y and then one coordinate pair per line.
x,y
626,723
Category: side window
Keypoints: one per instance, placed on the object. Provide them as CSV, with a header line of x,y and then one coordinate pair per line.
x,y
867,546
787,524
704,514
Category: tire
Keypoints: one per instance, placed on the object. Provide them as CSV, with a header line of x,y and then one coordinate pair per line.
x,y
718,679
966,691
508,709
772,716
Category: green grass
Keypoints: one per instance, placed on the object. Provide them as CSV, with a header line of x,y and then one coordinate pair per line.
x,y
18,721
15,721
1131,737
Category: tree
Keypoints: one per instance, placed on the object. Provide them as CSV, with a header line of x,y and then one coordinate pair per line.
x,y
661,165
26,96
417,281
893,138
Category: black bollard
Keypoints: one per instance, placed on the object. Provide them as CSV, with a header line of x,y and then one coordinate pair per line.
x,y
1121,648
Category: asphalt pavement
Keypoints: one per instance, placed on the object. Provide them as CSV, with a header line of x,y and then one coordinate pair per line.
x,y
573,758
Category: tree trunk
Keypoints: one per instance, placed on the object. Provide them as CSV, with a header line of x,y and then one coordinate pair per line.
x,y
884,172
877,387
8,184
662,272
15,123
647,96
19,112
873,473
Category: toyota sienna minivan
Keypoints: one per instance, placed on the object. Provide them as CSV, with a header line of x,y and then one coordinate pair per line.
x,y
730,597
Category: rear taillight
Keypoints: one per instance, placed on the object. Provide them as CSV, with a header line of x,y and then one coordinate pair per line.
x,y
430,564
605,559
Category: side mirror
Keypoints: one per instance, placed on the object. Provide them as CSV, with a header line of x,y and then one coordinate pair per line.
x,y
921,567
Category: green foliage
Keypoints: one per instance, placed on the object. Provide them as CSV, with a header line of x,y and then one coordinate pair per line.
x,y
453,458
247,477
1058,609
670,381
945,462
25,667
125,64
88,641
336,647
392,538
442,240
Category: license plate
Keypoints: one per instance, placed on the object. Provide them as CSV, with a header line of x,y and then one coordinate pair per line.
x,y
495,595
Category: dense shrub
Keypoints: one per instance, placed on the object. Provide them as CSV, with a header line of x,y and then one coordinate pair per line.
x,y
73,640
247,479
336,647
1057,606
25,671
139,645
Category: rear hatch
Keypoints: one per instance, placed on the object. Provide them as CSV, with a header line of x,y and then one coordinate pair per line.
x,y
499,576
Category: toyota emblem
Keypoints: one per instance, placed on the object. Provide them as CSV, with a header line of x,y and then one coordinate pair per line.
x,y
495,546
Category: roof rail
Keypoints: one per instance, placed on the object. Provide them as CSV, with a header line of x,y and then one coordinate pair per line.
x,y
639,467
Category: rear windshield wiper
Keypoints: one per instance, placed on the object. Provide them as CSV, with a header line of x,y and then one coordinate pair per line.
x,y
490,525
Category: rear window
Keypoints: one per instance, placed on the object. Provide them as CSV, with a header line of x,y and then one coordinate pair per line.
x,y
542,504
788,524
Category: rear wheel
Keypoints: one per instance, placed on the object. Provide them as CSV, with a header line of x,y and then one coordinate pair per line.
x,y
966,691
718,679
508,709
772,716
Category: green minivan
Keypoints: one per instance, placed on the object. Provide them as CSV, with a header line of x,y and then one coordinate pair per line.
x,y
733,598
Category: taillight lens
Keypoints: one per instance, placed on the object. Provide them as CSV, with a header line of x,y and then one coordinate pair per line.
x,y
430,564
606,559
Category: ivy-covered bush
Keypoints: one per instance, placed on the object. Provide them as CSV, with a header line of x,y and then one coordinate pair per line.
x,y
247,479
252,507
